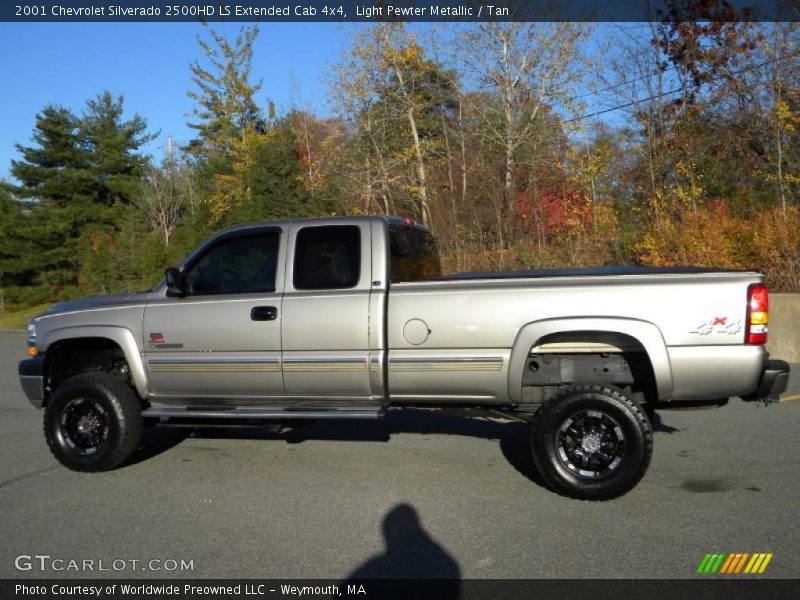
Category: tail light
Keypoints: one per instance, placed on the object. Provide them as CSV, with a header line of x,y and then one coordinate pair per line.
x,y
755,331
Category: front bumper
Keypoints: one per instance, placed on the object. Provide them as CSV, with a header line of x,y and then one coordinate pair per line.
x,y
31,378
774,380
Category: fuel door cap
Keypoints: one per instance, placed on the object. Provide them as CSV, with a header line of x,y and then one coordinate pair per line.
x,y
416,331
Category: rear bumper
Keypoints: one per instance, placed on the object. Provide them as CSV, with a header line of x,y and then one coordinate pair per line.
x,y
32,379
774,380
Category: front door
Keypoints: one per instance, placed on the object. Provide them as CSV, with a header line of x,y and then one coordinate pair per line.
x,y
223,339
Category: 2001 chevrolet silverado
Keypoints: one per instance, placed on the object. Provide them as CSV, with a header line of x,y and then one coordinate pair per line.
x,y
349,317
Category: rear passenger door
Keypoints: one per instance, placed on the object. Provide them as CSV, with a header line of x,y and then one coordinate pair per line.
x,y
325,333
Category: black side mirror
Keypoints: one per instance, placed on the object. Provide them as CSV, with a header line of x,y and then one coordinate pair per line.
x,y
176,282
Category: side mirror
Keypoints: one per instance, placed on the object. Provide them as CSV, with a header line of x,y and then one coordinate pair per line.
x,y
176,282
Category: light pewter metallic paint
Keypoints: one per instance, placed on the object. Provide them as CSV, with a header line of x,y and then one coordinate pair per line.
x,y
348,346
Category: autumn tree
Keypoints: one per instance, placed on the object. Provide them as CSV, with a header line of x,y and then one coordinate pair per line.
x,y
165,193
225,104
397,93
274,177
229,122
781,49
527,67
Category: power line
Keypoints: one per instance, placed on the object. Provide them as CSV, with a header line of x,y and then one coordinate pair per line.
x,y
670,92
626,105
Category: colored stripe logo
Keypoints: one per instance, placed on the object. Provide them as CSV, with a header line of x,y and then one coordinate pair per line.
x,y
734,563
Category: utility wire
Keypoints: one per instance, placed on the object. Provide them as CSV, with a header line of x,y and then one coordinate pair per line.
x,y
621,106
670,92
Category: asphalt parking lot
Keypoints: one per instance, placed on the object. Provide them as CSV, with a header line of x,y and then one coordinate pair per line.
x,y
417,494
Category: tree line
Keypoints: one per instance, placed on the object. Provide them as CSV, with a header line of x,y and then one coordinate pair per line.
x,y
521,145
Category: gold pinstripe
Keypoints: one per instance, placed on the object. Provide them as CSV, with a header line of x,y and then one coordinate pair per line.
x,y
445,365
311,367
214,368
332,366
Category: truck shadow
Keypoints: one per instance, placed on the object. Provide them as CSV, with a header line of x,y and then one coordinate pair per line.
x,y
156,441
512,436
660,426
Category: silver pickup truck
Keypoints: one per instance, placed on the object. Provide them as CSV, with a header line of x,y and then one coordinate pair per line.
x,y
346,318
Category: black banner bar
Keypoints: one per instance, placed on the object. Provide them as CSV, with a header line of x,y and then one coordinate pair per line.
x,y
397,10
706,587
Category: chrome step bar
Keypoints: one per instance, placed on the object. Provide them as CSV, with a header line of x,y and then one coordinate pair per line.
x,y
251,412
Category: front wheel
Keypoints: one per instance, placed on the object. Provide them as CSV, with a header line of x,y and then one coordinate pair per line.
x,y
591,442
93,422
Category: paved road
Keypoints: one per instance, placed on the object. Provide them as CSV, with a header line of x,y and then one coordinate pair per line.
x,y
415,494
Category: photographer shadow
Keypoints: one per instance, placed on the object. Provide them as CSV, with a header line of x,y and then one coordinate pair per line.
x,y
410,554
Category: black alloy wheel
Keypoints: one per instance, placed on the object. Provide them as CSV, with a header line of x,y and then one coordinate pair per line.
x,y
591,442
93,422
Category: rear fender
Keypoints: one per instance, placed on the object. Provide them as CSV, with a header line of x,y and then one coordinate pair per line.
x,y
645,333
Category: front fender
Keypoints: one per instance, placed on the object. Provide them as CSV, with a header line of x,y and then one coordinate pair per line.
x,y
122,336
644,332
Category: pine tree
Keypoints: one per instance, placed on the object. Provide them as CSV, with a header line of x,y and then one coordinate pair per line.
x,y
112,143
72,180
18,253
57,187
55,169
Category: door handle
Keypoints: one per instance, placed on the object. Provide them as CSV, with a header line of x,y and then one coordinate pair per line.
x,y
264,313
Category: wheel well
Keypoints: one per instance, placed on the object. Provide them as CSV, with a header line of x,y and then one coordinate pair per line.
x,y
588,357
66,358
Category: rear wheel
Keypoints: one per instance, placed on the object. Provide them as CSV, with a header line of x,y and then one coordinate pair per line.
x,y
93,422
591,442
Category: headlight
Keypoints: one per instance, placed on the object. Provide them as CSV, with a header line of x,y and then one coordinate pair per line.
x,y
31,334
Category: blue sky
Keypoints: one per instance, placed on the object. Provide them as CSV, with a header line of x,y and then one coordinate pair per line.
x,y
148,63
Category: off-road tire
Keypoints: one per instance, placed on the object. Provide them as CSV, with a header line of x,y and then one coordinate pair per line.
x,y
93,422
591,442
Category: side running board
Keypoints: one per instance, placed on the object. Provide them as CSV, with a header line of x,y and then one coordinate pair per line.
x,y
251,412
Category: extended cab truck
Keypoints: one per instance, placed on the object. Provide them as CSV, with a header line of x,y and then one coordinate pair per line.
x,y
348,317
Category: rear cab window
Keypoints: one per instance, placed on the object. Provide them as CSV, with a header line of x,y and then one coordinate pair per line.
x,y
413,255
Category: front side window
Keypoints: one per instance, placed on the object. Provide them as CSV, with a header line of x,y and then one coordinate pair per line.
x,y
239,265
327,257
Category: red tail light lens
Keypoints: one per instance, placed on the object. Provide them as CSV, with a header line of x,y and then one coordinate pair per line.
x,y
755,331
